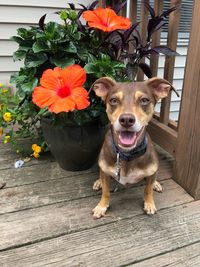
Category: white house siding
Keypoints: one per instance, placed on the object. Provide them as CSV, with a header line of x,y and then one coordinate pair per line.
x,y
22,13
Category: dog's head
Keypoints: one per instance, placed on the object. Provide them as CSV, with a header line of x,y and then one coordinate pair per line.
x,y
130,106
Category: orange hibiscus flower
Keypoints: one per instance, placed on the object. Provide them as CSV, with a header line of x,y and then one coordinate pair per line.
x,y
106,20
61,89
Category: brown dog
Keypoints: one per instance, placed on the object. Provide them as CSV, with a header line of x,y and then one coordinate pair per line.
x,y
128,154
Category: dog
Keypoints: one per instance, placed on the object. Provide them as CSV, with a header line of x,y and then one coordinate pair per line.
x,y
127,154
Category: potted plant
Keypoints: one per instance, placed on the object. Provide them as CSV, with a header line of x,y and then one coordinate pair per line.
x,y
61,61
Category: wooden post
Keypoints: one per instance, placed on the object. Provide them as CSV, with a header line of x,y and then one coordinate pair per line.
x,y
143,31
187,154
133,10
169,61
158,7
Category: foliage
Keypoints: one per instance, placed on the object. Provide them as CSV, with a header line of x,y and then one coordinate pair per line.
x,y
73,42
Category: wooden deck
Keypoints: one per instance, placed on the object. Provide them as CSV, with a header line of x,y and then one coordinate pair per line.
x,y
45,220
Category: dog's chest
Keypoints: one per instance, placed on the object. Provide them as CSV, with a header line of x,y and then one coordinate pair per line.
x,y
132,176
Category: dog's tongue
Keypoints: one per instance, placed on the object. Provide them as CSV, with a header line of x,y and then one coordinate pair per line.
x,y
127,138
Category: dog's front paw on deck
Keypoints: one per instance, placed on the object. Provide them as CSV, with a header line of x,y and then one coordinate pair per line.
x,y
97,185
99,211
157,187
150,208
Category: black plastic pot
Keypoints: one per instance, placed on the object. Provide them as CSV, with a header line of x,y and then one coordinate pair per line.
x,y
75,147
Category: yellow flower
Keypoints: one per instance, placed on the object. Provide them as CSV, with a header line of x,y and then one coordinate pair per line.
x,y
1,131
5,91
6,139
7,116
36,155
36,148
1,84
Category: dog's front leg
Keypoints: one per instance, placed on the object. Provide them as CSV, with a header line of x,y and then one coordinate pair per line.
x,y
149,204
101,208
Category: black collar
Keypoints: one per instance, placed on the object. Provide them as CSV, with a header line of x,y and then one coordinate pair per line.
x,y
136,152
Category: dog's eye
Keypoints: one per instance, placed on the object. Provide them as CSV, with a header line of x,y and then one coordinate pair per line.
x,y
113,101
144,101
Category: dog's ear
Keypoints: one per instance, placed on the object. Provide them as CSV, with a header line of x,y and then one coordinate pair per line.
x,y
102,86
160,87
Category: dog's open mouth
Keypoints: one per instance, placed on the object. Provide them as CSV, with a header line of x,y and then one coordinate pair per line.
x,y
129,138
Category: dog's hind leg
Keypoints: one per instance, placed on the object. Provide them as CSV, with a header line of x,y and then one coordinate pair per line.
x,y
157,187
97,185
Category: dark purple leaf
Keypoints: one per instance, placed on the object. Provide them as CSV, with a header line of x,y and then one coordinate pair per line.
x,y
146,69
41,22
145,52
152,25
128,32
84,7
93,5
80,26
119,6
151,10
80,13
159,26
72,6
167,12
165,50
137,35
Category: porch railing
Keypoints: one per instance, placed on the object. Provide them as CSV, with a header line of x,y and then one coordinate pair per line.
x,y
182,138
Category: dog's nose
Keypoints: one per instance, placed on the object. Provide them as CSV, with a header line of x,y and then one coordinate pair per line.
x,y
127,120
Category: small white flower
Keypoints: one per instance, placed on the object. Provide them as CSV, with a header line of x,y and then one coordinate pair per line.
x,y
19,163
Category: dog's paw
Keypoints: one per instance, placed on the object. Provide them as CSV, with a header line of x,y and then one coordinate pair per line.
x,y
97,185
157,187
99,211
150,208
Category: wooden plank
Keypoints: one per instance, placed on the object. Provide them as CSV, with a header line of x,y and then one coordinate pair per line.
x,y
172,38
143,32
123,242
172,124
187,167
47,192
44,192
63,218
163,135
158,7
183,257
44,172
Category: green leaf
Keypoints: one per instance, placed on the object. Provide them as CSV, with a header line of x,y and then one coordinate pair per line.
x,y
39,46
19,55
84,55
70,48
16,39
63,15
28,87
16,78
35,60
62,62
77,35
54,31
90,68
